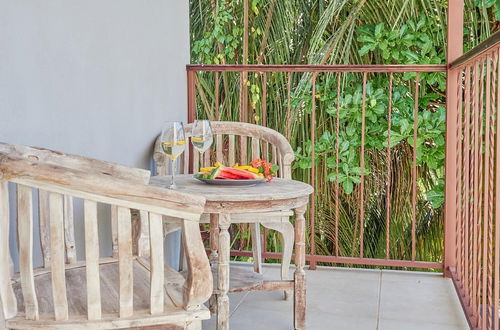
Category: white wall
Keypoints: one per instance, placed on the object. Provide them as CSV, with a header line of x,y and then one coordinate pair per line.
x,y
92,77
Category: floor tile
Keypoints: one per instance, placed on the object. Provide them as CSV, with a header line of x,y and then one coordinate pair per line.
x,y
263,310
339,293
395,275
235,300
416,299
386,324
330,322
351,299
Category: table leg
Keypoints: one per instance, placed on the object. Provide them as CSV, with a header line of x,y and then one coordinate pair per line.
x,y
223,273
214,238
214,255
300,275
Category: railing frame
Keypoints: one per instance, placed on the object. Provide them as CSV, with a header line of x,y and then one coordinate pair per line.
x,y
479,292
314,70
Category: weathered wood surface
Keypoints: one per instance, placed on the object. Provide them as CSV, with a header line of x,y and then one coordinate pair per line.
x,y
92,261
300,275
7,298
174,282
100,188
76,162
214,238
274,216
256,247
264,143
174,320
194,325
286,230
43,216
79,294
125,262
108,273
157,269
252,206
198,287
25,232
242,278
271,199
223,272
114,230
69,230
143,239
278,189
56,203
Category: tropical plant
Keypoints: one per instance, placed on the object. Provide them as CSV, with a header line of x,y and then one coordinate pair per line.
x,y
344,32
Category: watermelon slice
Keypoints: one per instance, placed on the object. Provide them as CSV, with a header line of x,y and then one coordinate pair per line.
x,y
227,176
236,174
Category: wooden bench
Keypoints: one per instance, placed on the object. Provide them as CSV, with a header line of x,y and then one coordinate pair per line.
x,y
126,291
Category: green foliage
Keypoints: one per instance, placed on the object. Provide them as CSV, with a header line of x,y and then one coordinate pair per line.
x,y
493,4
430,127
346,32
224,32
410,44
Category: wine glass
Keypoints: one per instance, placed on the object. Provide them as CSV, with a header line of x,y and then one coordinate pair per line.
x,y
173,144
202,137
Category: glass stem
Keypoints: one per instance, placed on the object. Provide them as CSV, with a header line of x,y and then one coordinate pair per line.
x,y
172,185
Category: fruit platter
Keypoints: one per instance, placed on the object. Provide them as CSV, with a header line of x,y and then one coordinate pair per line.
x,y
258,171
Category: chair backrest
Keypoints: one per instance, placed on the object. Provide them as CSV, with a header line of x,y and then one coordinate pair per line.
x,y
28,174
76,162
235,142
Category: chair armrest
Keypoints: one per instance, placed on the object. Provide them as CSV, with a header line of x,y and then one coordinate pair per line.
x,y
199,282
100,188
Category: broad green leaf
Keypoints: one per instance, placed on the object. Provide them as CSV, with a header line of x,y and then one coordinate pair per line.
x,y
365,49
378,29
348,186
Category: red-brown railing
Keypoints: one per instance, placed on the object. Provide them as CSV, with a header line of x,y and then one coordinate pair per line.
x,y
203,106
476,271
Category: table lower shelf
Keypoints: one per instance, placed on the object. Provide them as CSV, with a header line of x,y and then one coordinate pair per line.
x,y
243,278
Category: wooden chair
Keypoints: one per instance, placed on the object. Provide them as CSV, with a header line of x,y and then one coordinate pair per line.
x,y
97,293
242,142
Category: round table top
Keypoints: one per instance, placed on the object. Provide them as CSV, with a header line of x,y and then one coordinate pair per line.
x,y
277,189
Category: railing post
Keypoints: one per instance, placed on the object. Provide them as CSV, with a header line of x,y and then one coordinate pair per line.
x,y
191,104
454,50
191,95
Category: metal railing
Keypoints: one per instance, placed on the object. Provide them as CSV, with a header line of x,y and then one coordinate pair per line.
x,y
476,270
210,86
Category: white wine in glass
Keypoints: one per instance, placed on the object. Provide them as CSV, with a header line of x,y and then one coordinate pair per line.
x,y
173,149
201,135
173,143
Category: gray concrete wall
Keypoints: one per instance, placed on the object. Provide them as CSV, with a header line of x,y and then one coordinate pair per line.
x,y
94,78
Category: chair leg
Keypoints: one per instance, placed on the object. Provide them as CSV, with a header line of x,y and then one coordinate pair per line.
x,y
256,247
286,230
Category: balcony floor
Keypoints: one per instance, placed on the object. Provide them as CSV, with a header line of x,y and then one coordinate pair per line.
x,y
346,298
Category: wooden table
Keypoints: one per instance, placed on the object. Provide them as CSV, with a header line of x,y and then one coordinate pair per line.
x,y
225,201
